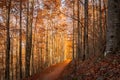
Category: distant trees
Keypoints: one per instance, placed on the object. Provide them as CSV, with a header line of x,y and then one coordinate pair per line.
x,y
113,27
89,28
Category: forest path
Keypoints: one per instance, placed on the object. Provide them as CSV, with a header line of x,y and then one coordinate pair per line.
x,y
53,72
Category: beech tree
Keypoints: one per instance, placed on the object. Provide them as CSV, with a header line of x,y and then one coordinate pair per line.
x,y
73,53
7,69
29,36
113,27
86,47
20,40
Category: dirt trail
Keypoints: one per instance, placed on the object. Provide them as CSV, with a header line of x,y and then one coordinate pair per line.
x,y
51,73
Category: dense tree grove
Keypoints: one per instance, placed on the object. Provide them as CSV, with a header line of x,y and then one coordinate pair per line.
x,y
35,34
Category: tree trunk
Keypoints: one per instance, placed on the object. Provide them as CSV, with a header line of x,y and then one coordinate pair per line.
x,y
73,55
100,28
20,41
113,27
7,68
29,38
93,27
78,15
86,51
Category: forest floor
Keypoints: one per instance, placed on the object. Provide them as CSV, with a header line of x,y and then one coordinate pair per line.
x,y
51,73
95,68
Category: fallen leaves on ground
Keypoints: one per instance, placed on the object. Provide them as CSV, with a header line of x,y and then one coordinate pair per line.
x,y
97,68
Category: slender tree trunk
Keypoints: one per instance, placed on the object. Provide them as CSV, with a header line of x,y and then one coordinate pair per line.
x,y
47,47
105,21
93,27
100,28
28,38
73,31
33,71
86,51
16,53
28,52
12,65
7,68
78,31
97,27
17,63
20,41
2,75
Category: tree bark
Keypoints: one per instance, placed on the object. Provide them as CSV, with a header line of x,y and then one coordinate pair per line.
x,y
7,68
73,55
28,38
78,15
86,51
20,41
113,27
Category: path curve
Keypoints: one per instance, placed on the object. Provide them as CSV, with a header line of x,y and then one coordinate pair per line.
x,y
53,72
